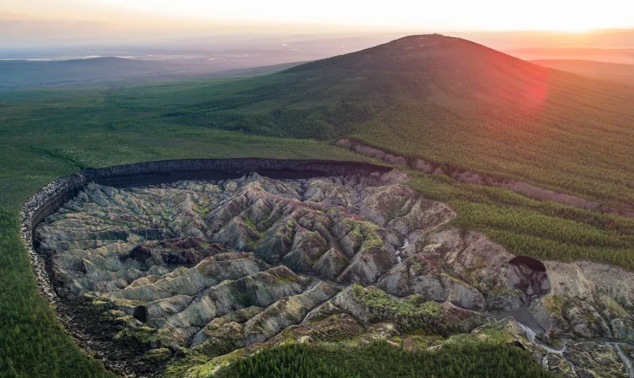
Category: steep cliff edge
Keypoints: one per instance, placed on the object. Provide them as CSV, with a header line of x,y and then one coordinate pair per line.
x,y
464,176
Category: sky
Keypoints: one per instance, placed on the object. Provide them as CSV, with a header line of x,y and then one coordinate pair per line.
x,y
447,14
23,21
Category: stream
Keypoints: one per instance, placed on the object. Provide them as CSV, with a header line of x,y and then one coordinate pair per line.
x,y
530,334
398,251
624,357
530,327
627,362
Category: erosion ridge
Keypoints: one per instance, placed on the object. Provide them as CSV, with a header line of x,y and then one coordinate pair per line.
x,y
523,188
48,199
217,269
51,197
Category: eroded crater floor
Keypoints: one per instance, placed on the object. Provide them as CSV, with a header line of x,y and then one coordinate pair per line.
x,y
204,269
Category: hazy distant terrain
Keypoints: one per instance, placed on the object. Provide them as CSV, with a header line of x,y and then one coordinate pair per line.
x,y
608,55
623,73
194,57
212,56
81,72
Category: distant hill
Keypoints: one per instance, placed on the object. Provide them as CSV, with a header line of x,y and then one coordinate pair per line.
x,y
23,73
450,101
608,55
34,73
623,73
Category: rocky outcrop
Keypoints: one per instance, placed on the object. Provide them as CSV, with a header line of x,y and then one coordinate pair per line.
x,y
466,269
592,360
50,198
587,300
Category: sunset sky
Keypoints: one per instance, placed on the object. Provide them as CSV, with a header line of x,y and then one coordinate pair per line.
x,y
46,19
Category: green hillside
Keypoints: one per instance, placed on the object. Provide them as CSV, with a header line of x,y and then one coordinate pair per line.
x,y
447,100
116,71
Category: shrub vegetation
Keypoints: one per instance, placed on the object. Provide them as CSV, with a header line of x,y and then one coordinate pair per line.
x,y
380,359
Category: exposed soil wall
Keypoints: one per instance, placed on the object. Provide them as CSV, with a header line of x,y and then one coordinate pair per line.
x,y
199,169
523,188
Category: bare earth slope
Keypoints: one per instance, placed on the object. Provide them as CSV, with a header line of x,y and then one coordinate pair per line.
x,y
214,270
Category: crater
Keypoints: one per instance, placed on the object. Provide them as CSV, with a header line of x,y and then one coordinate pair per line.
x,y
181,272
226,263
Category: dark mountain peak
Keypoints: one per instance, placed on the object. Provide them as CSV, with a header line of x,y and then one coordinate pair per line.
x,y
451,72
421,40
429,53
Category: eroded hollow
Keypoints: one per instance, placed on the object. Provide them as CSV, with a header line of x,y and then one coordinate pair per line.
x,y
140,313
535,280
530,262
